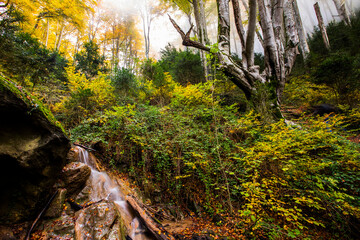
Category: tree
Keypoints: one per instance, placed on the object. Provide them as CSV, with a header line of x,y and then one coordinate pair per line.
x,y
23,56
280,52
123,80
341,9
89,61
52,21
184,66
149,11
121,38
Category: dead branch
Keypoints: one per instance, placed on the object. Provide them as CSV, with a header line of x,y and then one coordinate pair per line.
x,y
186,37
87,148
5,5
40,215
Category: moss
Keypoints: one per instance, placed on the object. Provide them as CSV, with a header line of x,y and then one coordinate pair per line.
x,y
33,103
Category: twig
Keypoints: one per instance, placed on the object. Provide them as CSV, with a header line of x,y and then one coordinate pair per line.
x,y
39,216
87,148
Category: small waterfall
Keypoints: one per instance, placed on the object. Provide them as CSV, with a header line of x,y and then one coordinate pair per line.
x,y
103,187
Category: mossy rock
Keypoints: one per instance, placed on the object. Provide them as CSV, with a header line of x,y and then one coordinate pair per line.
x,y
33,149
32,102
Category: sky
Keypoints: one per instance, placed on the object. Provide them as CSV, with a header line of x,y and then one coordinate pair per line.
x,y
162,32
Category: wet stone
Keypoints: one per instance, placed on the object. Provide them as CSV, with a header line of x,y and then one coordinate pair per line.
x,y
98,221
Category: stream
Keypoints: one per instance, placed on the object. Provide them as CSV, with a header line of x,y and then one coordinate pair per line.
x,y
103,187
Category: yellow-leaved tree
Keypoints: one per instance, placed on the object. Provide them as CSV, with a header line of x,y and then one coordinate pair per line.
x,y
86,97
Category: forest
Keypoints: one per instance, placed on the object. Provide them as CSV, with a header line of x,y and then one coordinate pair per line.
x,y
248,129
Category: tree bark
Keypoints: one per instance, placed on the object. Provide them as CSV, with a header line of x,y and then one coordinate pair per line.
x,y
251,33
240,30
157,231
199,13
341,9
258,34
300,30
291,35
59,39
47,32
322,26
5,4
279,55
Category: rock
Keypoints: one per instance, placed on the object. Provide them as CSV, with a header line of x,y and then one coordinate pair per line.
x,y
6,233
33,150
59,228
85,195
73,155
74,177
99,221
56,206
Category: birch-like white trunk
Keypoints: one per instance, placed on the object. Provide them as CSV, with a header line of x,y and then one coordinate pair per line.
x,y
341,9
301,31
322,25
200,19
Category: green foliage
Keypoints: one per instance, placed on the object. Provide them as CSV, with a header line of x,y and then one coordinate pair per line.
x,y
31,101
300,178
282,182
89,61
339,71
338,68
124,81
152,71
301,91
184,66
85,99
24,57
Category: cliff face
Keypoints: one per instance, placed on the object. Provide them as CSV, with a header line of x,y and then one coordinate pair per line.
x,y
33,149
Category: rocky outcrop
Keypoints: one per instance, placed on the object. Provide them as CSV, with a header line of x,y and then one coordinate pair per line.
x,y
33,150
74,177
56,207
99,221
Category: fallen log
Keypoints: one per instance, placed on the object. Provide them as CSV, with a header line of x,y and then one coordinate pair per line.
x,y
156,229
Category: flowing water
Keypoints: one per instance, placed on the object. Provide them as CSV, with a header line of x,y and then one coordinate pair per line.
x,y
103,187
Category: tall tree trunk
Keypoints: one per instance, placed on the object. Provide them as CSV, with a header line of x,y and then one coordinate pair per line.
x,y
279,58
240,30
341,9
321,25
260,38
199,13
291,36
60,36
47,32
301,31
251,33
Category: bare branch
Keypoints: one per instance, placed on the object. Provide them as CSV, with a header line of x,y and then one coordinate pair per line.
x,y
186,37
5,5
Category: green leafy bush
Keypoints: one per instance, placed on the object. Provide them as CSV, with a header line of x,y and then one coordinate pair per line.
x,y
275,180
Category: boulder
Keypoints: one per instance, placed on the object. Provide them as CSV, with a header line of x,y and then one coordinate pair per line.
x,y
56,207
74,177
99,221
58,228
33,149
